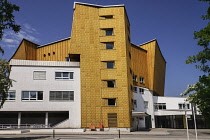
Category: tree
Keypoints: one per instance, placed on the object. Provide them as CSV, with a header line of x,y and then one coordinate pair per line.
x,y
6,22
199,93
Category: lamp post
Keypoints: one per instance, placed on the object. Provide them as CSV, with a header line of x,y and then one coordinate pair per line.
x,y
194,111
186,119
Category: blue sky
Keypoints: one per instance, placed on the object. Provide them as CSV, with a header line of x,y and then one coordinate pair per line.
x,y
172,23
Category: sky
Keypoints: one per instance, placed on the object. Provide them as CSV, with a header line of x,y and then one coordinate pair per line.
x,y
171,22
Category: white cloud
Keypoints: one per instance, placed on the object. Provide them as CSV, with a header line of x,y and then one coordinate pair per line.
x,y
12,39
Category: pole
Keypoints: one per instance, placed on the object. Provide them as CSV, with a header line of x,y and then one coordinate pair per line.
x,y
53,133
186,120
119,133
193,109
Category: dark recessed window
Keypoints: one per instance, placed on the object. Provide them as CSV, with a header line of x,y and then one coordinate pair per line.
x,y
53,53
48,54
111,83
109,65
111,102
44,55
107,16
109,45
109,31
142,80
67,59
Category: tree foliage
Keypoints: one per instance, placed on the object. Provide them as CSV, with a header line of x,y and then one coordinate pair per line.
x,y
6,22
199,93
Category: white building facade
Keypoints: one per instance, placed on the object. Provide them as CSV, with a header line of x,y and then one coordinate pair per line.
x,y
43,93
162,112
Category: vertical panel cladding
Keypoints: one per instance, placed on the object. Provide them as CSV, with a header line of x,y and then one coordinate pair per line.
x,y
156,67
139,65
54,52
85,40
159,74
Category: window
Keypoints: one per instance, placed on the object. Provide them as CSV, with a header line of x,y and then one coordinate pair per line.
x,y
107,16
135,78
145,104
131,87
111,102
135,103
131,72
61,95
142,80
32,95
159,106
141,90
109,45
67,59
64,75
109,31
11,95
135,89
111,84
39,75
110,65
182,106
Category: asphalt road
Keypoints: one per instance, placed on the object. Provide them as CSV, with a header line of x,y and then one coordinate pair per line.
x,y
173,135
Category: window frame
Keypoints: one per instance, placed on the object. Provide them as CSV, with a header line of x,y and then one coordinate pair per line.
x,y
115,101
8,95
114,83
30,98
70,96
34,77
62,77
141,91
108,31
110,62
159,106
141,79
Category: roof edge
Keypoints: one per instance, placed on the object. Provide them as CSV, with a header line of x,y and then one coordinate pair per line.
x,y
138,47
53,42
95,5
148,42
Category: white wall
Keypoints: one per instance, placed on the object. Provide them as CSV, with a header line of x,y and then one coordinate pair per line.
x,y
23,75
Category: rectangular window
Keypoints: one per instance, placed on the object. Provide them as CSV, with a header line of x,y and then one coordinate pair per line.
x,y
112,119
67,59
107,16
135,78
141,90
145,104
61,95
135,103
135,89
39,75
159,106
32,95
110,65
11,95
109,31
109,45
64,75
111,83
111,102
142,80
182,106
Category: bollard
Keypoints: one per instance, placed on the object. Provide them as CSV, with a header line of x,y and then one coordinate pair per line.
x,y
119,133
53,133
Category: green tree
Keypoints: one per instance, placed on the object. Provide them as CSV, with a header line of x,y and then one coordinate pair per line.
x,y
6,22
199,93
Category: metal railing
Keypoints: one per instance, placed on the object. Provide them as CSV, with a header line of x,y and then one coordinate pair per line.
x,y
16,126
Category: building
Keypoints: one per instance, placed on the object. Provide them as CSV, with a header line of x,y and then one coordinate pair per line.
x,y
89,78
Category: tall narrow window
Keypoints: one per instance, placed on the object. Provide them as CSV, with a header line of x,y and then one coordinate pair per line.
x,y
135,103
135,78
109,45
135,89
111,84
109,31
145,104
110,65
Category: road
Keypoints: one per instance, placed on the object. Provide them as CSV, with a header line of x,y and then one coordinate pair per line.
x,y
172,135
